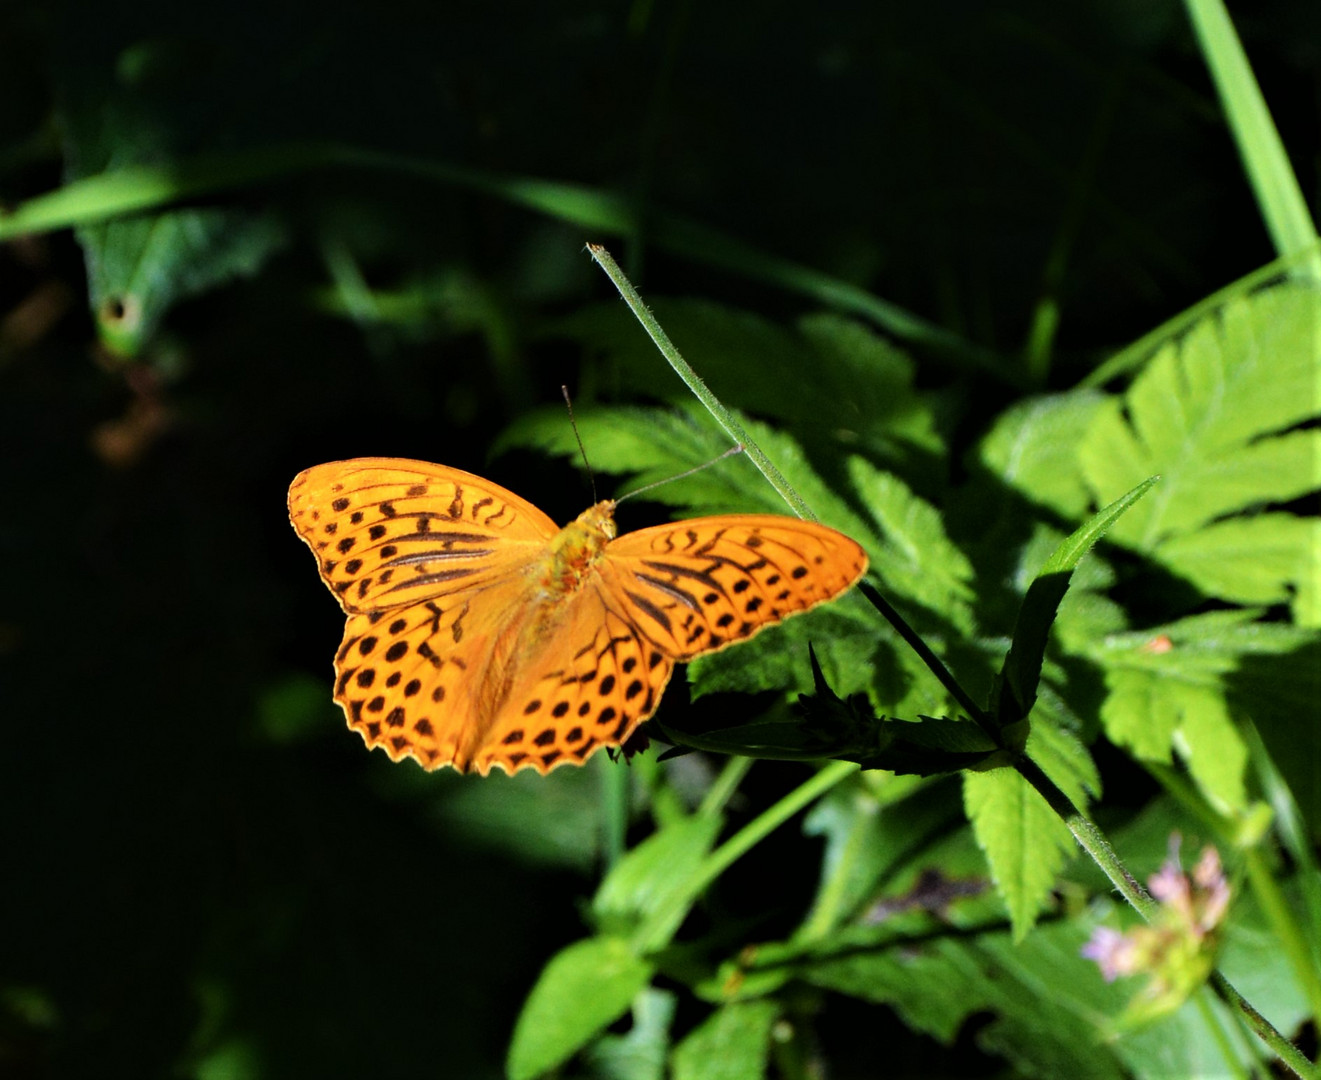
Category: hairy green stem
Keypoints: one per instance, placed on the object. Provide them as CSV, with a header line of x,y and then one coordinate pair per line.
x,y
1281,1047
694,382
932,661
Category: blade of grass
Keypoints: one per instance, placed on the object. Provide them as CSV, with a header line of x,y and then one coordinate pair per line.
x,y
1279,198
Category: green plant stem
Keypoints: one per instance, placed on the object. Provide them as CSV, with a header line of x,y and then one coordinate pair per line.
x,y
694,382
614,806
932,661
1281,1047
1089,838
652,935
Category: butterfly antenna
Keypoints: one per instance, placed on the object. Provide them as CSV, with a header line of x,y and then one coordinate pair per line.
x,y
737,448
581,449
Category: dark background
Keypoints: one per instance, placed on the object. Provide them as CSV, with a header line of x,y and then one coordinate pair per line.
x,y
201,862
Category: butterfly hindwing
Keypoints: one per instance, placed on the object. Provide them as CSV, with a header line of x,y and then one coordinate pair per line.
x,y
592,690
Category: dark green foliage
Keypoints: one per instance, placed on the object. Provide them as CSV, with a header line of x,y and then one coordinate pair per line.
x,y
897,242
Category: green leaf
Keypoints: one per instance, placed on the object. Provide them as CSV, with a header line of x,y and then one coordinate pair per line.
x,y
1212,414
830,373
1024,840
639,1055
1177,687
585,987
1022,664
733,1043
937,983
915,557
1033,447
650,876
140,267
1251,560
868,825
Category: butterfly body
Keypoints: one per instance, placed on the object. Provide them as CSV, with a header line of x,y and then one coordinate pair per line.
x,y
480,635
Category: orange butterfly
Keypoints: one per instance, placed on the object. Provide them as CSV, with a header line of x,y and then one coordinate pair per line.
x,y
480,634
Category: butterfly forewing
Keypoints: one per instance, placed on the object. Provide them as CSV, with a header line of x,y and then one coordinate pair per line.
x,y
696,586
389,531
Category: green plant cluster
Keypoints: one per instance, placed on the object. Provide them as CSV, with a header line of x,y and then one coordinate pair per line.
x,y
878,838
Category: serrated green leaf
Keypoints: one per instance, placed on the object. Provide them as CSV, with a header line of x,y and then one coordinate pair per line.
x,y
831,372
1033,447
1178,689
733,1043
916,559
654,445
585,987
1211,414
1024,840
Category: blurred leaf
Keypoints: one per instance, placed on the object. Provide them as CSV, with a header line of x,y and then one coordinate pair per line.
x,y
864,839
552,820
650,876
639,1055
733,1043
937,985
138,268
585,987
1024,840
294,709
